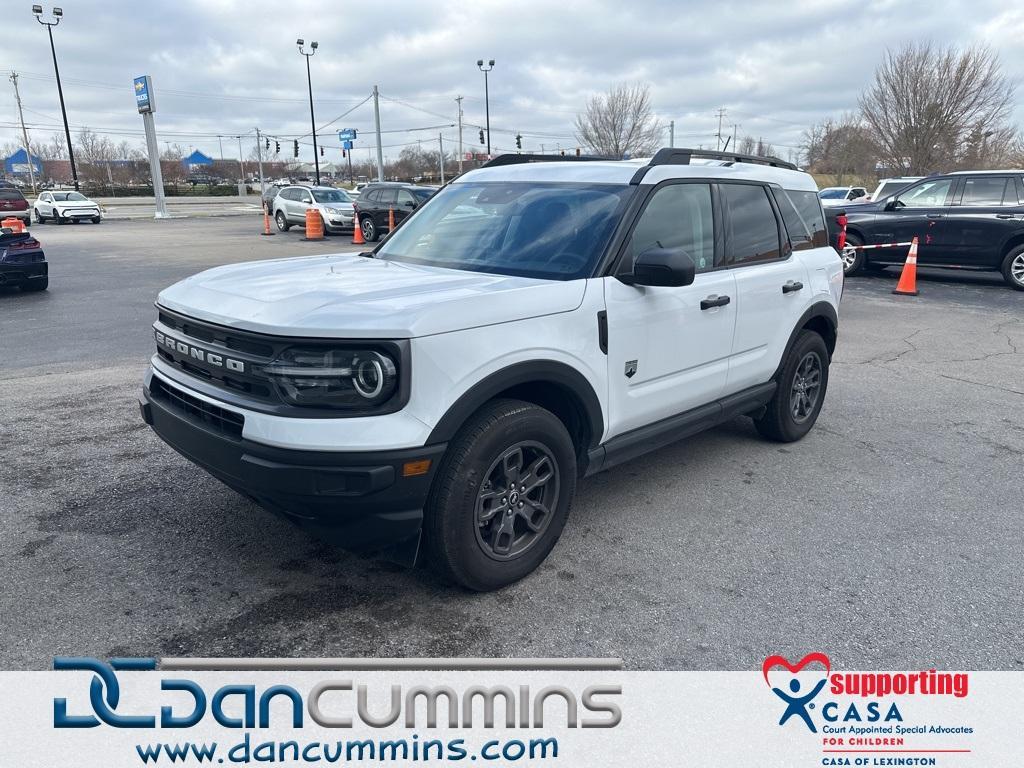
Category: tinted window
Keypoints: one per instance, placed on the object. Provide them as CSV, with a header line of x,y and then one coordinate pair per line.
x,y
330,196
386,195
832,193
678,216
804,220
752,232
405,197
927,194
423,194
543,230
10,194
987,190
890,188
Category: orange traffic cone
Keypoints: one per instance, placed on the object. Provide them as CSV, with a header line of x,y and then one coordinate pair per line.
x,y
907,286
391,219
266,223
357,233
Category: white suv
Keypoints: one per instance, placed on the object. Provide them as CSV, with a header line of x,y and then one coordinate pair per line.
x,y
533,323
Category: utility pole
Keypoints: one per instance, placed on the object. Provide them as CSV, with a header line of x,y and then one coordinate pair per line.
x,y
671,133
734,127
376,121
440,145
241,166
221,145
458,100
721,114
259,159
24,133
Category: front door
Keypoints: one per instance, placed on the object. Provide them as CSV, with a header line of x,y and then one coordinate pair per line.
x,y
919,211
669,348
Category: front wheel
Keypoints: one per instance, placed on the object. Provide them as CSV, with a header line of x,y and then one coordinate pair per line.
x,y
282,222
96,219
501,497
1013,268
38,216
800,394
370,232
852,256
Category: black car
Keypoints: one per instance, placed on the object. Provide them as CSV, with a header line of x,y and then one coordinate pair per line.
x,y
377,199
964,220
22,262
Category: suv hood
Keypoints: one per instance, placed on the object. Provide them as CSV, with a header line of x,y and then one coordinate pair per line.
x,y
347,296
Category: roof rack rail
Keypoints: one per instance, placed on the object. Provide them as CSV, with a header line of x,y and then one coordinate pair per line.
x,y
518,159
682,156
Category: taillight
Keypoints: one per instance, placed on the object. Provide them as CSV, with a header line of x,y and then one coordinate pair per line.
x,y
24,245
841,223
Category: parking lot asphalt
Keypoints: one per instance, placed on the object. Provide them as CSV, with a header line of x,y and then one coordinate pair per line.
x,y
891,537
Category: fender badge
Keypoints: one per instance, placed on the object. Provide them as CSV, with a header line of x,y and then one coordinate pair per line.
x,y
630,369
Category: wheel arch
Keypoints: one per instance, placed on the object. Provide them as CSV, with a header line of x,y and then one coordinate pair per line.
x,y
1014,241
552,385
821,318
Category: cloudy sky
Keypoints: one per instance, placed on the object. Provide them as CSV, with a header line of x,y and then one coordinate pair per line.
x,y
226,66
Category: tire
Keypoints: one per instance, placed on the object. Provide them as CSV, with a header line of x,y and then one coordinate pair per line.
x,y
96,219
789,416
369,227
853,260
31,286
282,221
1013,268
38,216
59,219
470,484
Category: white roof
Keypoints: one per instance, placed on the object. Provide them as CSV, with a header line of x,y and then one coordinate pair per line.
x,y
620,172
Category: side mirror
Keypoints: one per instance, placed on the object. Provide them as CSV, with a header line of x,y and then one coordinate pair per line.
x,y
667,267
893,205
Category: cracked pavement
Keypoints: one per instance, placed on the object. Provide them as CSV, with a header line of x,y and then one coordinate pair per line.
x,y
891,537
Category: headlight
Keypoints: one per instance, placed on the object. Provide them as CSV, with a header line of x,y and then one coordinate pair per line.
x,y
334,378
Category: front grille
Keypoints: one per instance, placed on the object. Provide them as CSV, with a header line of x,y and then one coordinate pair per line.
x,y
219,419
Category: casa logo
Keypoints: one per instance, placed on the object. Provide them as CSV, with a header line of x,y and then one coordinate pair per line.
x,y
801,695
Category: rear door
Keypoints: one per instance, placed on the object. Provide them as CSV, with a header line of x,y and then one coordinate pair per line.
x,y
404,205
387,199
771,284
985,212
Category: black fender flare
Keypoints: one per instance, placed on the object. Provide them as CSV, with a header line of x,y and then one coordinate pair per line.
x,y
527,372
819,309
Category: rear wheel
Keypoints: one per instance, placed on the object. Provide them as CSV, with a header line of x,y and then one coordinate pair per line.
x,y
369,229
282,221
801,391
501,497
852,256
1013,268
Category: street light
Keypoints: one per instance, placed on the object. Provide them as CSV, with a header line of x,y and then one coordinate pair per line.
x,y
58,14
309,80
487,97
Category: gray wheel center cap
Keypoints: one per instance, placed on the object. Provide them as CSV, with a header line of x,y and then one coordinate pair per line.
x,y
513,498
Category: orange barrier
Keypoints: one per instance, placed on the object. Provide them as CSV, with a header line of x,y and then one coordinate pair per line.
x,y
357,233
391,219
15,225
314,225
907,286
266,223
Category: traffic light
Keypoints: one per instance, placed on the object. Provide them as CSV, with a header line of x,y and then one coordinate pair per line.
x,y
296,149
277,147
344,153
519,141
482,136
321,151
268,144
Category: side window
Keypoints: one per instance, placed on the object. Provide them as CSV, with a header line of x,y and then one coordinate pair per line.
x,y
752,232
405,198
805,223
927,194
987,191
386,196
677,216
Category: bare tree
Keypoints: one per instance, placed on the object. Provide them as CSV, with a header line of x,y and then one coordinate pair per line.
x,y
620,122
748,145
843,148
932,108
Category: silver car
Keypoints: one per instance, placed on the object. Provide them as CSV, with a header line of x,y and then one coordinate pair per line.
x,y
334,206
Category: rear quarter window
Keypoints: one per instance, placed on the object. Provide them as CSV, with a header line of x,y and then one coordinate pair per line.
x,y
803,217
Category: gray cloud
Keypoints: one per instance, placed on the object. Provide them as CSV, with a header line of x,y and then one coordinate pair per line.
x,y
225,66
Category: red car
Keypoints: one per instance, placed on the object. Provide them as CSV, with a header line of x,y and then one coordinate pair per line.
x,y
13,204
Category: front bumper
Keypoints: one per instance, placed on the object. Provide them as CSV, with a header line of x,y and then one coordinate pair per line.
x,y
359,501
17,274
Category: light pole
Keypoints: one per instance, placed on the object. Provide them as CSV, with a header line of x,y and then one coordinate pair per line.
x,y
487,97
58,14
309,80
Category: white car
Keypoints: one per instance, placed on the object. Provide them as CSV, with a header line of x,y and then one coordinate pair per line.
x,y
889,187
63,207
440,398
842,195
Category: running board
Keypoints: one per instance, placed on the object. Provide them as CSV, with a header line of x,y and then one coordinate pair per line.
x,y
642,440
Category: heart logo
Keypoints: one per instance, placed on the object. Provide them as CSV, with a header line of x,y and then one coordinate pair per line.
x,y
782,661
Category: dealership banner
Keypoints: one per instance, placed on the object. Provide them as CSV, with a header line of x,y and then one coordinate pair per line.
x,y
529,712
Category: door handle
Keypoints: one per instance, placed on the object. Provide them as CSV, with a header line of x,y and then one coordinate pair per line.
x,y
714,300
792,285
936,215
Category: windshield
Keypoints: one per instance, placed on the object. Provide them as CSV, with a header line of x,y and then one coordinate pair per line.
x,y
69,196
549,231
832,194
331,196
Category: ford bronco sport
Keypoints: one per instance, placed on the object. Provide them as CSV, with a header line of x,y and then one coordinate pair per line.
x,y
533,323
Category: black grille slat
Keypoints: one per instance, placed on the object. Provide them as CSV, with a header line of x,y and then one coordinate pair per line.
x,y
222,420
